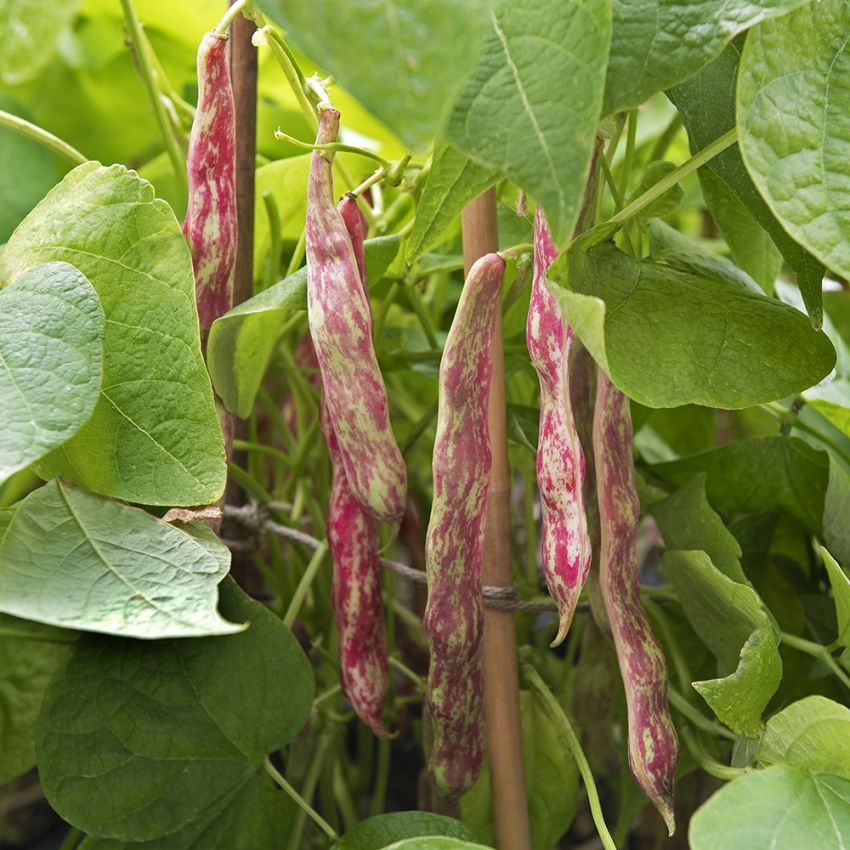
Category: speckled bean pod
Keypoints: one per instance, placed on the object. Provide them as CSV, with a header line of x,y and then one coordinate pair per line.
x,y
560,462
210,226
341,329
453,617
653,745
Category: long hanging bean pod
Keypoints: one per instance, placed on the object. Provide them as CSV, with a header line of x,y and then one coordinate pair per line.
x,y
453,553
340,326
560,462
653,745
210,225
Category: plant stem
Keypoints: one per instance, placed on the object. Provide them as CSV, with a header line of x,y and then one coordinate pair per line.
x,y
405,670
382,773
628,160
816,650
653,192
424,319
299,801
72,839
229,17
304,585
297,253
565,731
134,30
42,137
337,147
696,717
783,415
294,75
710,765
273,258
21,634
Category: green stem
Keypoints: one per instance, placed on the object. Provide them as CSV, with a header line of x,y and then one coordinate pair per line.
x,y
696,716
229,16
336,147
304,585
273,259
565,731
299,801
72,839
696,161
406,671
35,636
382,775
630,154
342,796
371,180
818,651
41,137
423,317
710,765
297,253
786,416
664,141
134,30
294,76
261,448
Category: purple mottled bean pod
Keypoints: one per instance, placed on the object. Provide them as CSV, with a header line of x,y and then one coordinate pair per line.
x,y
210,225
653,745
560,462
355,224
454,614
341,329
356,593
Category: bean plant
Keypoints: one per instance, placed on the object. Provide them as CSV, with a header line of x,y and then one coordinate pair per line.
x,y
247,561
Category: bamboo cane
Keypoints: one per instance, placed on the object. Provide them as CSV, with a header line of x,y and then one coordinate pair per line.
x,y
499,653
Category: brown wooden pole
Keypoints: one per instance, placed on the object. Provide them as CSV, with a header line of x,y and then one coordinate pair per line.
x,y
501,687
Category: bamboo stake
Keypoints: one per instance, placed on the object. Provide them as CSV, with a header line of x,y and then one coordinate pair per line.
x,y
499,652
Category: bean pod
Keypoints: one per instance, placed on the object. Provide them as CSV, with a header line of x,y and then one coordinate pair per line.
x,y
653,746
453,617
341,329
560,462
210,225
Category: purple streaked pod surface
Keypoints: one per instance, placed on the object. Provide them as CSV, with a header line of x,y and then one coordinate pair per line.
x,y
355,224
653,745
341,328
560,463
356,593
210,226
454,614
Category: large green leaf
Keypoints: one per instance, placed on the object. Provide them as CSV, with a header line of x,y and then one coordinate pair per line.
x,y
257,816
781,808
27,172
51,361
377,832
74,559
241,341
531,107
139,740
29,655
154,436
812,733
551,779
402,59
454,180
709,341
840,584
434,843
732,622
657,43
707,105
759,474
28,33
794,124
687,521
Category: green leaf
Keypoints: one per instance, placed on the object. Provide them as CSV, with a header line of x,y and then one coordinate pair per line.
x,y
242,341
28,32
731,620
139,740
794,128
758,475
154,436
687,521
781,808
454,180
749,243
29,655
376,832
551,779
681,252
402,59
657,43
509,117
434,843
812,733
27,172
258,816
832,401
836,532
710,342
51,361
841,592
74,559
707,105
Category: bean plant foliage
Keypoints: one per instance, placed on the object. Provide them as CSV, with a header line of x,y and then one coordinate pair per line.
x,y
208,638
